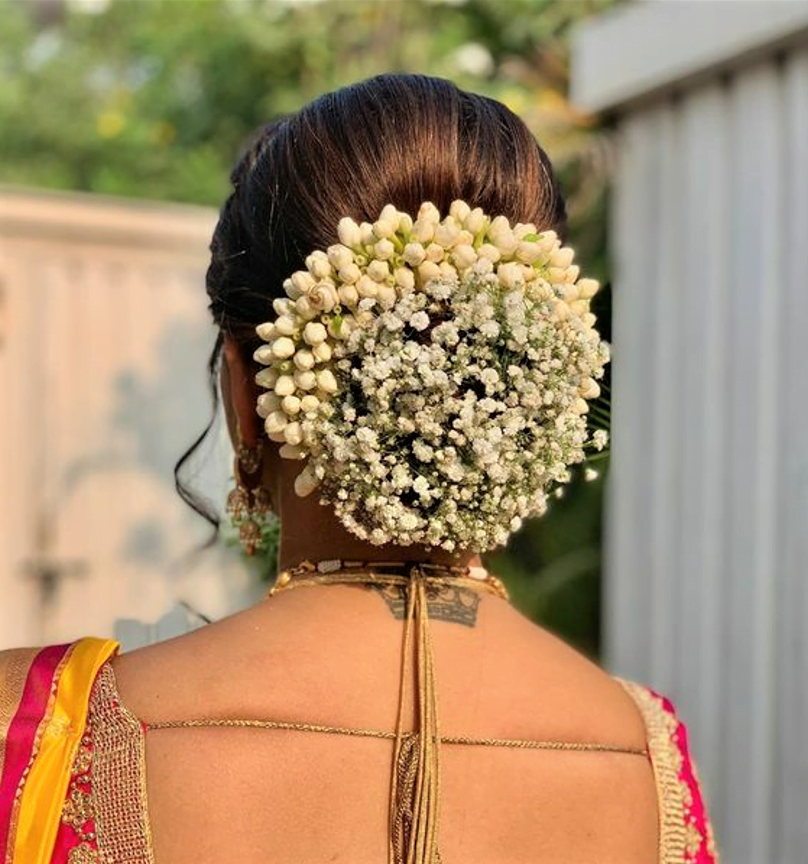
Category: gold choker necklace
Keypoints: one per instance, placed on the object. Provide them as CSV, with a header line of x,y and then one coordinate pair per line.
x,y
337,570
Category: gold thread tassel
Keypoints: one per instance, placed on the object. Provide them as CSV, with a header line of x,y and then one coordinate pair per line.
x,y
415,783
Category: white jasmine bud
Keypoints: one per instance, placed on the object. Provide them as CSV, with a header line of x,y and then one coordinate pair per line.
x,y
428,270
282,305
390,214
414,254
292,433
290,404
562,257
571,273
275,422
447,232
285,325
305,482
349,233
475,221
322,352
302,281
266,404
587,288
349,274
387,296
314,333
588,319
510,274
266,331
326,381
366,231
383,228
423,231
459,210
348,295
405,278
309,403
323,296
556,275
366,287
579,406
266,377
580,307
527,252
292,451
464,256
263,354
448,271
304,379
435,252
378,270
489,251
290,289
283,347
284,386
549,241
428,212
304,359
384,249
523,229
304,308
317,264
589,389
339,256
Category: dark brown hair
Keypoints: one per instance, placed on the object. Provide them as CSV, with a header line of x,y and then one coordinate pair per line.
x,y
393,139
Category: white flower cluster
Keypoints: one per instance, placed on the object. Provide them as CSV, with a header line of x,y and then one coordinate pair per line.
x,y
435,374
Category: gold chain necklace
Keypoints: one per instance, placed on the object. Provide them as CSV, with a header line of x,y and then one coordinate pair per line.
x,y
338,570
415,782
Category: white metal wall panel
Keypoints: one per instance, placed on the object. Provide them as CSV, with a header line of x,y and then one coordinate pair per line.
x,y
706,595
790,750
103,365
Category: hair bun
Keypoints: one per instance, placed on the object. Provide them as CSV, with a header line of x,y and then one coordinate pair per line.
x,y
434,373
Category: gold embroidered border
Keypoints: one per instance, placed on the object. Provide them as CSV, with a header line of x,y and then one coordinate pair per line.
x,y
14,667
40,731
119,778
667,761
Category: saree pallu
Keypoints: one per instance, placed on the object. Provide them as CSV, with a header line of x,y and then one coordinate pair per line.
x,y
44,699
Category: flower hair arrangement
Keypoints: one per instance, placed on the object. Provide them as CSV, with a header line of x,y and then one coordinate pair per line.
x,y
434,373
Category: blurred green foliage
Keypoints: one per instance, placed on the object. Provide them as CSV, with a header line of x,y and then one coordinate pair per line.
x,y
154,99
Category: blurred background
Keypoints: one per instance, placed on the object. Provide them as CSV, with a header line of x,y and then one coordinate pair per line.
x,y
679,129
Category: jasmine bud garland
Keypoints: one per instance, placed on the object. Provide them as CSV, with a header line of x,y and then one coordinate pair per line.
x,y
434,374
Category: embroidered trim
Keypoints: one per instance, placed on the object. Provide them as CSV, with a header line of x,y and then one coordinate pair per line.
x,y
40,732
119,778
667,761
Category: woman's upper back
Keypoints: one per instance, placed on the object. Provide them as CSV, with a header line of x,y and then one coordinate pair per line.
x,y
331,657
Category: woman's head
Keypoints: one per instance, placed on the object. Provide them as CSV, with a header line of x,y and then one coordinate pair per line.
x,y
394,139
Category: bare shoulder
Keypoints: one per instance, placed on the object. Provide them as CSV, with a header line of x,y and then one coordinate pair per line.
x,y
569,694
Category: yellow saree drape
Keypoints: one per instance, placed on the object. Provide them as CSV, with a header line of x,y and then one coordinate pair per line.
x,y
44,716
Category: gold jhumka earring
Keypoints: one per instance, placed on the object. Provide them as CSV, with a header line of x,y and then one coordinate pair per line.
x,y
249,503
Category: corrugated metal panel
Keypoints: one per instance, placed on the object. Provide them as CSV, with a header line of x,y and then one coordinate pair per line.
x,y
790,787
706,593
